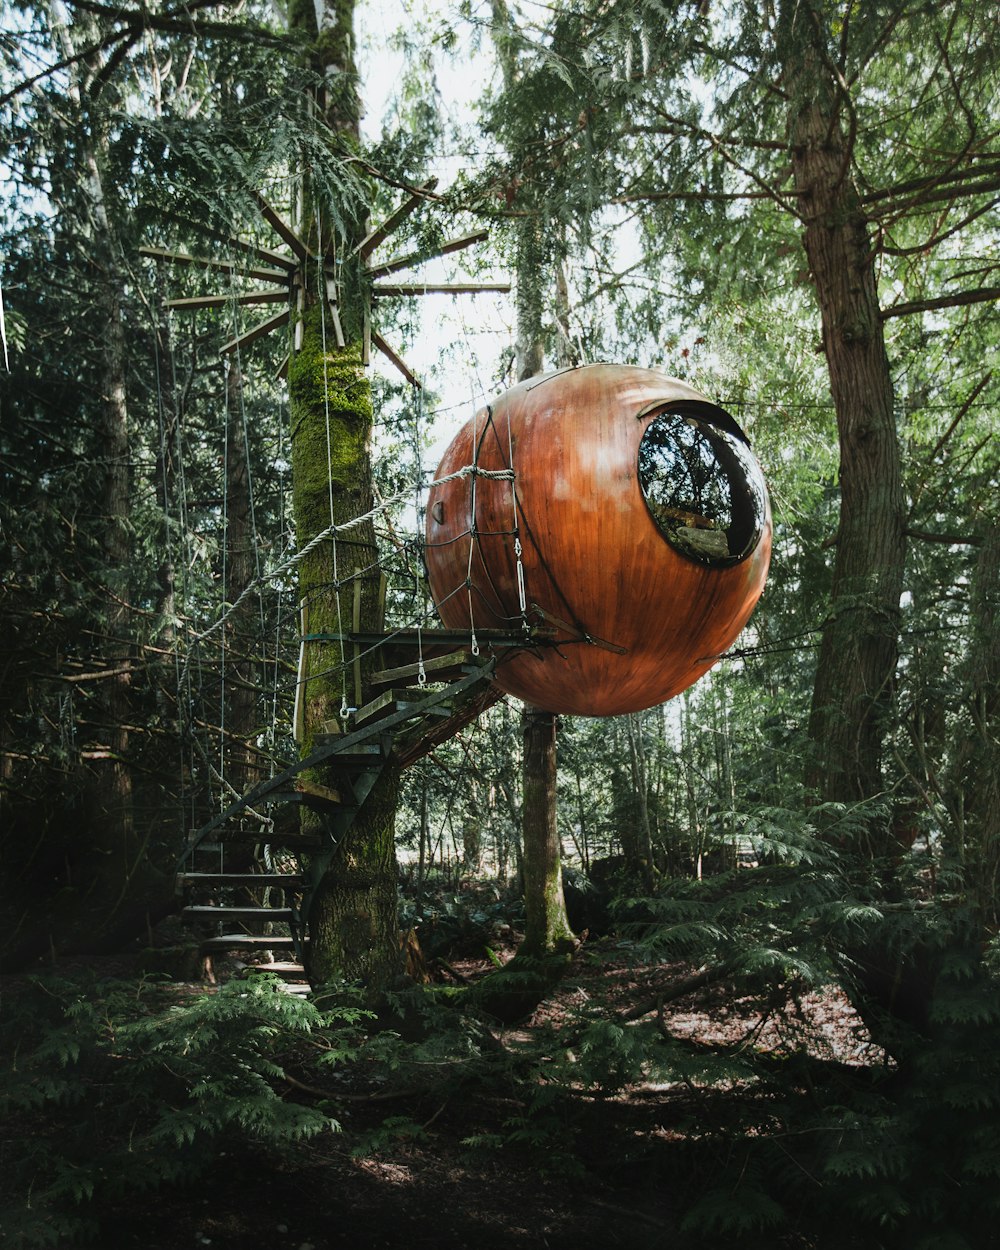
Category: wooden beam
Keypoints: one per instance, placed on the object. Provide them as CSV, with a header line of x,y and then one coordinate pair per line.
x,y
210,262
398,361
281,227
190,304
356,622
438,288
331,299
435,668
289,263
416,258
258,332
393,221
412,638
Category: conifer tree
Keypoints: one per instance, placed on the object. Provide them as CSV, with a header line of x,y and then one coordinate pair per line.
x,y
547,929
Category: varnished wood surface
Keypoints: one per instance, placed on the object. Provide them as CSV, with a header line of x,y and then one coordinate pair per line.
x,y
593,557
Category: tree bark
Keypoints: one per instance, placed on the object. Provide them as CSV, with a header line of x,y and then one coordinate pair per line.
x,y
643,838
547,929
241,630
982,804
858,652
353,914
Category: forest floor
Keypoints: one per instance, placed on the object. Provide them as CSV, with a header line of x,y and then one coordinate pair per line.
x,y
441,1168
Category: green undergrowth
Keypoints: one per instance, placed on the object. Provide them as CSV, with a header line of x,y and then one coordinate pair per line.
x,y
117,1089
125,1088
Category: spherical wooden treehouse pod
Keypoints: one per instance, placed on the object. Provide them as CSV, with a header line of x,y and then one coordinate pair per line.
x,y
643,526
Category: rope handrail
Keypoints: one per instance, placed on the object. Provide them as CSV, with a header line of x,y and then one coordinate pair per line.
x,y
469,470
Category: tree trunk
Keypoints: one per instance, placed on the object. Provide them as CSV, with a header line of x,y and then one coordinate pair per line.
x,y
112,878
643,838
240,713
858,652
545,908
982,808
547,928
353,915
113,791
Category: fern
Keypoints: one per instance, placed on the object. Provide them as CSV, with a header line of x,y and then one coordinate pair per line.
x,y
138,1094
744,1209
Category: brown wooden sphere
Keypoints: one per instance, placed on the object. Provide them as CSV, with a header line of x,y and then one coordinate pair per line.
x,y
644,528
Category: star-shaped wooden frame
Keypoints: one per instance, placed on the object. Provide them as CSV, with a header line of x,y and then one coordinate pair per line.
x,y
289,273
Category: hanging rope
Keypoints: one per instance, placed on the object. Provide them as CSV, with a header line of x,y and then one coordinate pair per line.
x,y
287,566
472,538
321,291
418,424
521,596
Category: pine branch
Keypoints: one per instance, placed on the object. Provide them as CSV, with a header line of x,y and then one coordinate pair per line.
x,y
679,989
933,187
179,21
984,295
957,540
133,24
678,126
937,237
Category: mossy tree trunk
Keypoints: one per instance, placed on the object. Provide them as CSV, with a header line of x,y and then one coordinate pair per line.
x,y
982,781
353,915
547,930
241,629
855,676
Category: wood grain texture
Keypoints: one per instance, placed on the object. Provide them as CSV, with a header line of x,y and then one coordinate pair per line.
x,y
594,560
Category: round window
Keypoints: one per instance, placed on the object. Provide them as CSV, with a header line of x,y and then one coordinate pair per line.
x,y
703,487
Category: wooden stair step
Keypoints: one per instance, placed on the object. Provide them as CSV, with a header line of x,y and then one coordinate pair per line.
x,y
279,968
199,912
381,706
365,754
289,880
437,668
227,941
319,798
391,701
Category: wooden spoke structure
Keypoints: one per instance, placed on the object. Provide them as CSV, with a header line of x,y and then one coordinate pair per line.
x,y
427,700
290,274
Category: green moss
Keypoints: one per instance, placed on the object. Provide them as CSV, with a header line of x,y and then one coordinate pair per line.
x,y
337,375
302,16
331,415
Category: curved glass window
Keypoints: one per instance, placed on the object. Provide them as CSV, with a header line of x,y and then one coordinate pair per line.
x,y
703,488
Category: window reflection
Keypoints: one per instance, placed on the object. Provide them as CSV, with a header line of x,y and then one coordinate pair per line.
x,y
703,487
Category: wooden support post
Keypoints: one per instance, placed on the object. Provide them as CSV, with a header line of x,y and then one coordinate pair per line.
x,y
382,232
398,361
192,302
251,336
281,227
331,299
299,714
300,304
356,626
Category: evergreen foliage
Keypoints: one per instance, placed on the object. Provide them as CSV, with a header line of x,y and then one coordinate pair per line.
x,y
647,155
116,1091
